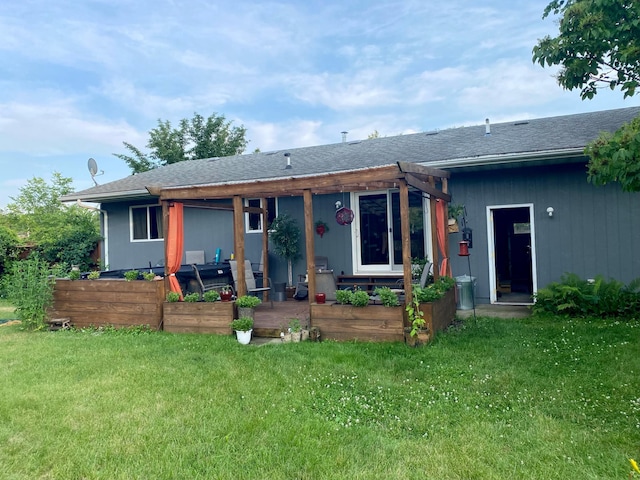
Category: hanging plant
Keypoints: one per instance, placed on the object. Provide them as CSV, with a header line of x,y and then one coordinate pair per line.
x,y
321,228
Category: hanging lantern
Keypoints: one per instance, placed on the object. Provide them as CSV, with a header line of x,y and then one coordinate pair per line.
x,y
344,216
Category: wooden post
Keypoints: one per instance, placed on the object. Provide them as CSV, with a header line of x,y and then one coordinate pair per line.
x,y
309,243
406,240
265,247
238,244
445,188
434,233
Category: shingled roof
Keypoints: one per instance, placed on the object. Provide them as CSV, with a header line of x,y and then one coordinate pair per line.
x,y
527,140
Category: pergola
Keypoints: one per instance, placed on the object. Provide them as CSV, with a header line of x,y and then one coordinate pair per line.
x,y
400,175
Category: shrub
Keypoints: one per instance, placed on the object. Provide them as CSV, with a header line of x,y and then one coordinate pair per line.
x,y
149,276
192,297
94,275
74,275
29,286
573,296
211,296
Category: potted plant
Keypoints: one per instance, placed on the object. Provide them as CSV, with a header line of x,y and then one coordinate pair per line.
x,y
243,327
149,276
455,211
246,305
94,275
226,293
295,329
285,235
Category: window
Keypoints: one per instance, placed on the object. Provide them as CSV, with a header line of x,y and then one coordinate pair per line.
x,y
253,220
146,223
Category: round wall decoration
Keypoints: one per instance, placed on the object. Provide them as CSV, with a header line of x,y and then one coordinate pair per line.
x,y
344,216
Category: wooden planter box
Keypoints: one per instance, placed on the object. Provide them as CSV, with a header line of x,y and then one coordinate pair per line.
x,y
108,302
199,317
440,314
346,322
378,323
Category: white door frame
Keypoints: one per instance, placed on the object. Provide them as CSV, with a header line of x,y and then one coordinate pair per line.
x,y
493,290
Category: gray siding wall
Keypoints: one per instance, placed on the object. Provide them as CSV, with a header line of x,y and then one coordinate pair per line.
x,y
211,229
593,231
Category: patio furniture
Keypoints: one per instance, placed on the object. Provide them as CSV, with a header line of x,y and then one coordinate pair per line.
x,y
250,279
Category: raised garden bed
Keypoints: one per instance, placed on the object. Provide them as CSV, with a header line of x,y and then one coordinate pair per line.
x,y
115,302
199,317
378,323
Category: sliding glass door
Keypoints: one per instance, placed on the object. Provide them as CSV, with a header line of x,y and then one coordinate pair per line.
x,y
378,245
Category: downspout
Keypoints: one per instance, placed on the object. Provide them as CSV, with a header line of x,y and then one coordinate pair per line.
x,y
105,222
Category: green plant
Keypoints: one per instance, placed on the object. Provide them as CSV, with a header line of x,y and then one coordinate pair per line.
x,y
226,289
242,324
285,235
387,296
455,210
131,275
173,297
360,298
148,276
192,297
573,296
415,315
29,286
294,325
74,275
211,296
344,297
417,265
94,275
247,301
434,291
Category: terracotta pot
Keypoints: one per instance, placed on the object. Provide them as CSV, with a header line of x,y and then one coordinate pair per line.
x,y
321,297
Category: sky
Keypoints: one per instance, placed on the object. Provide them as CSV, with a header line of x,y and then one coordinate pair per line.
x,y
79,78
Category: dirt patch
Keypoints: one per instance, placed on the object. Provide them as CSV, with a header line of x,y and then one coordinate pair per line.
x,y
10,322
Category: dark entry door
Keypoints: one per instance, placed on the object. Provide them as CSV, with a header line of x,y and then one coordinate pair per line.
x,y
513,254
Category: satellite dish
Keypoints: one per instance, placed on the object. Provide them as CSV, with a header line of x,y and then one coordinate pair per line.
x,y
92,165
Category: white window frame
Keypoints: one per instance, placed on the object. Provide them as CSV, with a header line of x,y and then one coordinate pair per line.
x,y
391,267
131,227
247,225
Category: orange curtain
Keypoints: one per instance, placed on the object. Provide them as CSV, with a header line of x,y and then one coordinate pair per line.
x,y
175,244
441,230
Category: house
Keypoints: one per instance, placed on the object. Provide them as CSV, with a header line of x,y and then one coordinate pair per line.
x,y
529,212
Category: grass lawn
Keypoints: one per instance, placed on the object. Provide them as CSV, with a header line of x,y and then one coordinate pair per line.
x,y
7,311
501,399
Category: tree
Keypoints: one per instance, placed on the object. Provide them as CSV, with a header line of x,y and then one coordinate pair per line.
x,y
193,139
599,46
59,233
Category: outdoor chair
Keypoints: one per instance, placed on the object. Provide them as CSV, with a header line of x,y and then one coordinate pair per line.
x,y
205,287
250,279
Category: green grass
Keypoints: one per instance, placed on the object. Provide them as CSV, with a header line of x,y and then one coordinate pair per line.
x,y
501,399
7,311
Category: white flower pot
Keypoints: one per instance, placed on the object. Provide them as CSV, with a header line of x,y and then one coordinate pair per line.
x,y
244,337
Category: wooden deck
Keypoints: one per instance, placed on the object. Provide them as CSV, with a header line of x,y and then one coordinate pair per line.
x,y
269,321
